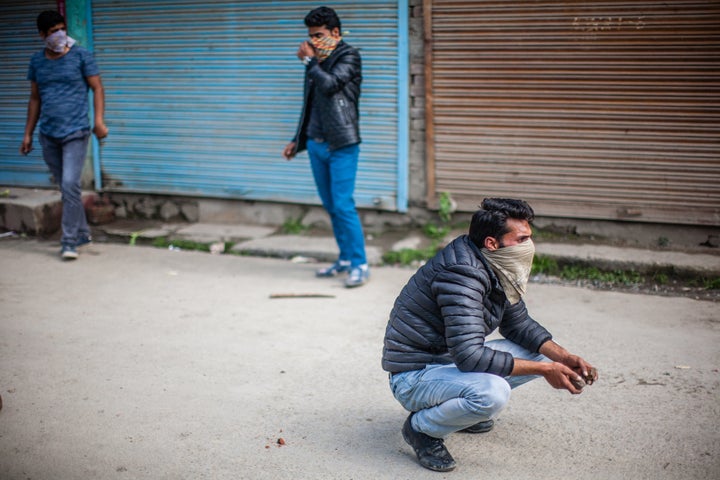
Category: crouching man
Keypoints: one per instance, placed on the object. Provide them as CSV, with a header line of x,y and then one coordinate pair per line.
x,y
441,368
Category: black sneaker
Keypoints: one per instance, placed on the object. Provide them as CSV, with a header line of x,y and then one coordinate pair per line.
x,y
480,427
430,451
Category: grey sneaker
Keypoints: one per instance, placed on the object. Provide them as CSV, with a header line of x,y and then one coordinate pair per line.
x,y
333,270
358,276
68,253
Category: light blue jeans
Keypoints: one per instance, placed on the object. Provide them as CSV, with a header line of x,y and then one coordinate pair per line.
x,y
335,174
447,400
65,157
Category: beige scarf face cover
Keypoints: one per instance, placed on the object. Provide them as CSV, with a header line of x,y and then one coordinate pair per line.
x,y
512,266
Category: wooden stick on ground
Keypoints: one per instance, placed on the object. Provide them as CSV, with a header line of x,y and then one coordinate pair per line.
x,y
300,295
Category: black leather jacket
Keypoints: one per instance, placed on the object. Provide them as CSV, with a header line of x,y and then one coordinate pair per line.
x,y
337,81
447,309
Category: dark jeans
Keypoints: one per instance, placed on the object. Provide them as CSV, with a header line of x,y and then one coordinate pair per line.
x,y
66,157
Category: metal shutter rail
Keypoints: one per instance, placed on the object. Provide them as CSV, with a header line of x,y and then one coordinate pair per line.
x,y
606,109
19,41
202,97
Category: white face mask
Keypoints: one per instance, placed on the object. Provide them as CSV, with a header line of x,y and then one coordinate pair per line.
x,y
58,41
512,266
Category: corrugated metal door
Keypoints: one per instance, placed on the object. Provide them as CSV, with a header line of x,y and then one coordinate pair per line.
x,y
203,96
18,42
605,109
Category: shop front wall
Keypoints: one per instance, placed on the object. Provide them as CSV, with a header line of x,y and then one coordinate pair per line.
x,y
201,98
19,41
599,110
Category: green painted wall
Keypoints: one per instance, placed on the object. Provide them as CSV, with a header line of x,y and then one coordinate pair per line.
x,y
78,22
78,15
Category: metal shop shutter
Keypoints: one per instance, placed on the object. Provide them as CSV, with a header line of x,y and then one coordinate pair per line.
x,y
203,96
19,41
604,109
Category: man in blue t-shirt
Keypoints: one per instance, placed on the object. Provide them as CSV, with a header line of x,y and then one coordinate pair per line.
x,y
59,77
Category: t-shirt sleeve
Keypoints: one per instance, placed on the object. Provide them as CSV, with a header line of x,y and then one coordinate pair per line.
x,y
89,66
31,72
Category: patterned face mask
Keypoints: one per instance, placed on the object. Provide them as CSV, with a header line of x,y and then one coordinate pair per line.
x,y
512,266
58,41
325,46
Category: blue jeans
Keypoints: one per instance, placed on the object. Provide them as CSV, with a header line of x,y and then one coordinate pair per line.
x,y
334,174
66,157
447,400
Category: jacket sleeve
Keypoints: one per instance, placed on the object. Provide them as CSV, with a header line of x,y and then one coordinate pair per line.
x,y
345,69
460,291
517,326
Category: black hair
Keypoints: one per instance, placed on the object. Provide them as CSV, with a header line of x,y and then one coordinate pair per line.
x,y
48,19
323,17
491,219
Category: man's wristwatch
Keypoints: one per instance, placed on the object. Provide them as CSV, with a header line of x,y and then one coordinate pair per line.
x,y
306,60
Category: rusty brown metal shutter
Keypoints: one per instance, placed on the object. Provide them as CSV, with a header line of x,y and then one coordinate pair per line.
x,y
592,109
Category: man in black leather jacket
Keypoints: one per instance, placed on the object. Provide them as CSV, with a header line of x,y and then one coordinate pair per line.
x,y
329,130
441,368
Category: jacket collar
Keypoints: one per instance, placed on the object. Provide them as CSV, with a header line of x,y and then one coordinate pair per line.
x,y
495,283
341,47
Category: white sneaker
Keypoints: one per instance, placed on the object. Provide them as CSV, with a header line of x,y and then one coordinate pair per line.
x,y
358,276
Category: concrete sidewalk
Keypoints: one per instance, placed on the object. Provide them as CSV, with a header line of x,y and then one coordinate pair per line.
x,y
40,209
264,242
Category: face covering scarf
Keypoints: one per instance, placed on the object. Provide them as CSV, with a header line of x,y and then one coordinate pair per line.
x,y
58,41
325,46
512,266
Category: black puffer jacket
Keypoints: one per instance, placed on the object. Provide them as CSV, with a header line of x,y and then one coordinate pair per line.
x,y
337,83
447,309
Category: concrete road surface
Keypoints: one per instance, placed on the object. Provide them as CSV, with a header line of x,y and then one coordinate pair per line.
x,y
141,363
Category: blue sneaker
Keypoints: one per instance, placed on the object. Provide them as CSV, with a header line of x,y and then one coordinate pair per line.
x,y
83,241
68,253
340,266
358,276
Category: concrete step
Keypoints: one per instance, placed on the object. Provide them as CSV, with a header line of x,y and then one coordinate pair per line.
x,y
39,211
36,212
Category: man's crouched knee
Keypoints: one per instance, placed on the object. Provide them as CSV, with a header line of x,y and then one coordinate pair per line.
x,y
487,402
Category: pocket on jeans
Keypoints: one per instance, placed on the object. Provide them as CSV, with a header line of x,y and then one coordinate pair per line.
x,y
401,388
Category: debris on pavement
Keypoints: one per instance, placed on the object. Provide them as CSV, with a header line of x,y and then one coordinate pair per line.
x,y
217,248
302,259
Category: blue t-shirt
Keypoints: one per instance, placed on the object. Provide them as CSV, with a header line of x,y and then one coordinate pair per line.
x,y
63,90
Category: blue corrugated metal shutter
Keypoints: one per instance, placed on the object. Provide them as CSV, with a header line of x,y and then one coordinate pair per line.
x,y
202,98
18,42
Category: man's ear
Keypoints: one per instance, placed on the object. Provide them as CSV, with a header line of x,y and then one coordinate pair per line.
x,y
335,32
491,243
